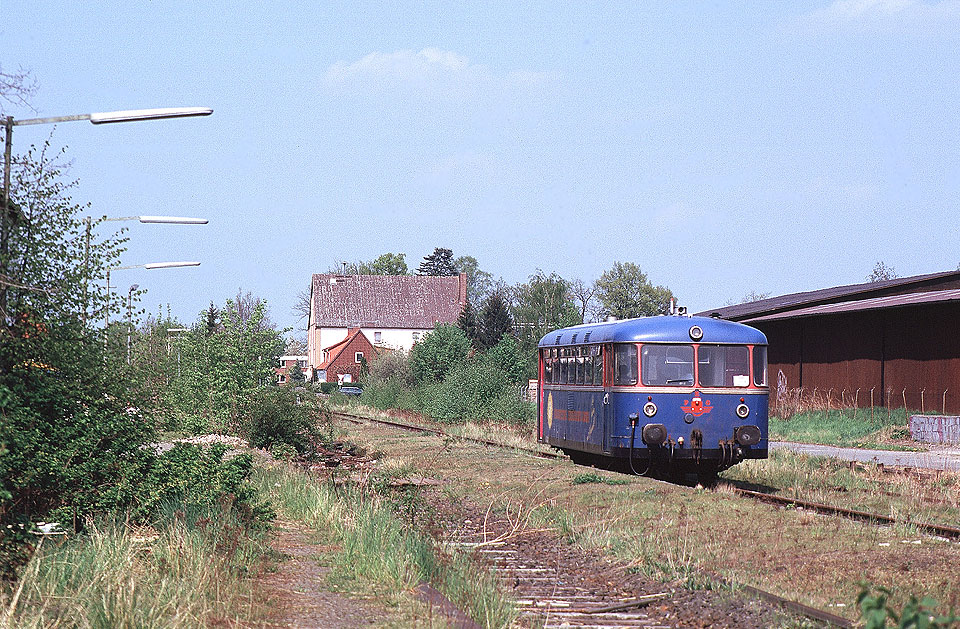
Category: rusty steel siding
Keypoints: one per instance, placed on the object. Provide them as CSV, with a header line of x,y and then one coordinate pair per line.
x,y
783,351
923,352
843,352
897,352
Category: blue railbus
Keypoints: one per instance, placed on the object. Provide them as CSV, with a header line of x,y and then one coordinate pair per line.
x,y
677,393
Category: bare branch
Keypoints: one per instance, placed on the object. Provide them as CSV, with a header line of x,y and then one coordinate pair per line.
x,y
16,88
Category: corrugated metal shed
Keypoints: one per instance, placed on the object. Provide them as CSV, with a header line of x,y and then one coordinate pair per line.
x,y
851,292
886,344
875,303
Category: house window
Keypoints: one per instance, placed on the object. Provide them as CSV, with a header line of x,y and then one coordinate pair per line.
x,y
358,357
377,337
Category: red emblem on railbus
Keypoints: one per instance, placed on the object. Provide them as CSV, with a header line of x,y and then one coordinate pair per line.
x,y
697,406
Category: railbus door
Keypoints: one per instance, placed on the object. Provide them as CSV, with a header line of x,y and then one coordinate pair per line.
x,y
608,418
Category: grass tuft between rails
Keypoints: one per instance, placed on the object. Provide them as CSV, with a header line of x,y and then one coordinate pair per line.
x,y
376,547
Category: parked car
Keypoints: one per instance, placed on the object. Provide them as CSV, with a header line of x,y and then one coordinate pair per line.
x,y
350,390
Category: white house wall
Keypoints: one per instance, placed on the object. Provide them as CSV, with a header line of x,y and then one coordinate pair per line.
x,y
401,339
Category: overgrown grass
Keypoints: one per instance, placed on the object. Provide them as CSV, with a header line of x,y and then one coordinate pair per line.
x,y
846,427
187,570
682,535
932,497
376,547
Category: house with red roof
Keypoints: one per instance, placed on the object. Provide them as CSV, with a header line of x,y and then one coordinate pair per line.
x,y
392,312
285,362
342,361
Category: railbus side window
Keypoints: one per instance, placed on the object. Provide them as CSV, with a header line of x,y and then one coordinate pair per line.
x,y
760,365
625,364
588,365
547,366
667,365
564,364
581,368
597,352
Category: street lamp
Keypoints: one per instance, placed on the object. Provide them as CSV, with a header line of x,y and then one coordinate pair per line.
x,y
178,331
165,220
133,287
148,266
131,115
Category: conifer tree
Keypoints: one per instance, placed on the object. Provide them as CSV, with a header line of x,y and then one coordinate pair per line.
x,y
440,262
495,321
468,323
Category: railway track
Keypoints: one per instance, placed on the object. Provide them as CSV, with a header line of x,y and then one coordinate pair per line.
x,y
548,597
939,530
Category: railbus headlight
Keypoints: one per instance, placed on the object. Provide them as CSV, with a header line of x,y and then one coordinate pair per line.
x,y
649,409
742,411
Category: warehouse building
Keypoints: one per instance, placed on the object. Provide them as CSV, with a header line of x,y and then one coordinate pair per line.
x,y
891,343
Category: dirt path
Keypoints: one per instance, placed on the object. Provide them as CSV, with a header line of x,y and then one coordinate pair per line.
x,y
297,593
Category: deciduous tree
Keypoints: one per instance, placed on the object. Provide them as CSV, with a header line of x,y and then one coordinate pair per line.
x,y
625,292
438,352
479,282
882,272
543,304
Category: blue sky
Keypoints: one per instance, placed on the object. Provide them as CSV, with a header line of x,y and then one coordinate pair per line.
x,y
769,147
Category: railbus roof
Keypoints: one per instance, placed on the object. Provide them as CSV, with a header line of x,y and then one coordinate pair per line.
x,y
661,329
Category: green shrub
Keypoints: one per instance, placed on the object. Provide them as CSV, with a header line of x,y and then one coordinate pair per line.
x,y
199,478
328,387
433,357
875,611
475,389
67,450
276,415
507,357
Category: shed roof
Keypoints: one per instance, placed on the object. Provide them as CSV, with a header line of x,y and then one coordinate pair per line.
x,y
794,303
874,303
386,301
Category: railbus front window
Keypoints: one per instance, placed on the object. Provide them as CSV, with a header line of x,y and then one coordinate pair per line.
x,y
667,365
625,364
724,365
760,365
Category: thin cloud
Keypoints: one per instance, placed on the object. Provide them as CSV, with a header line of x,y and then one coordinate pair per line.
x,y
891,16
441,69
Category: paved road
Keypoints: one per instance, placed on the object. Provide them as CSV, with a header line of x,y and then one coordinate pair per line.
x,y
939,459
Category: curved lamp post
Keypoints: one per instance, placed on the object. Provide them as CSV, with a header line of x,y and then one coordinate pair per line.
x,y
130,115
148,266
165,220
